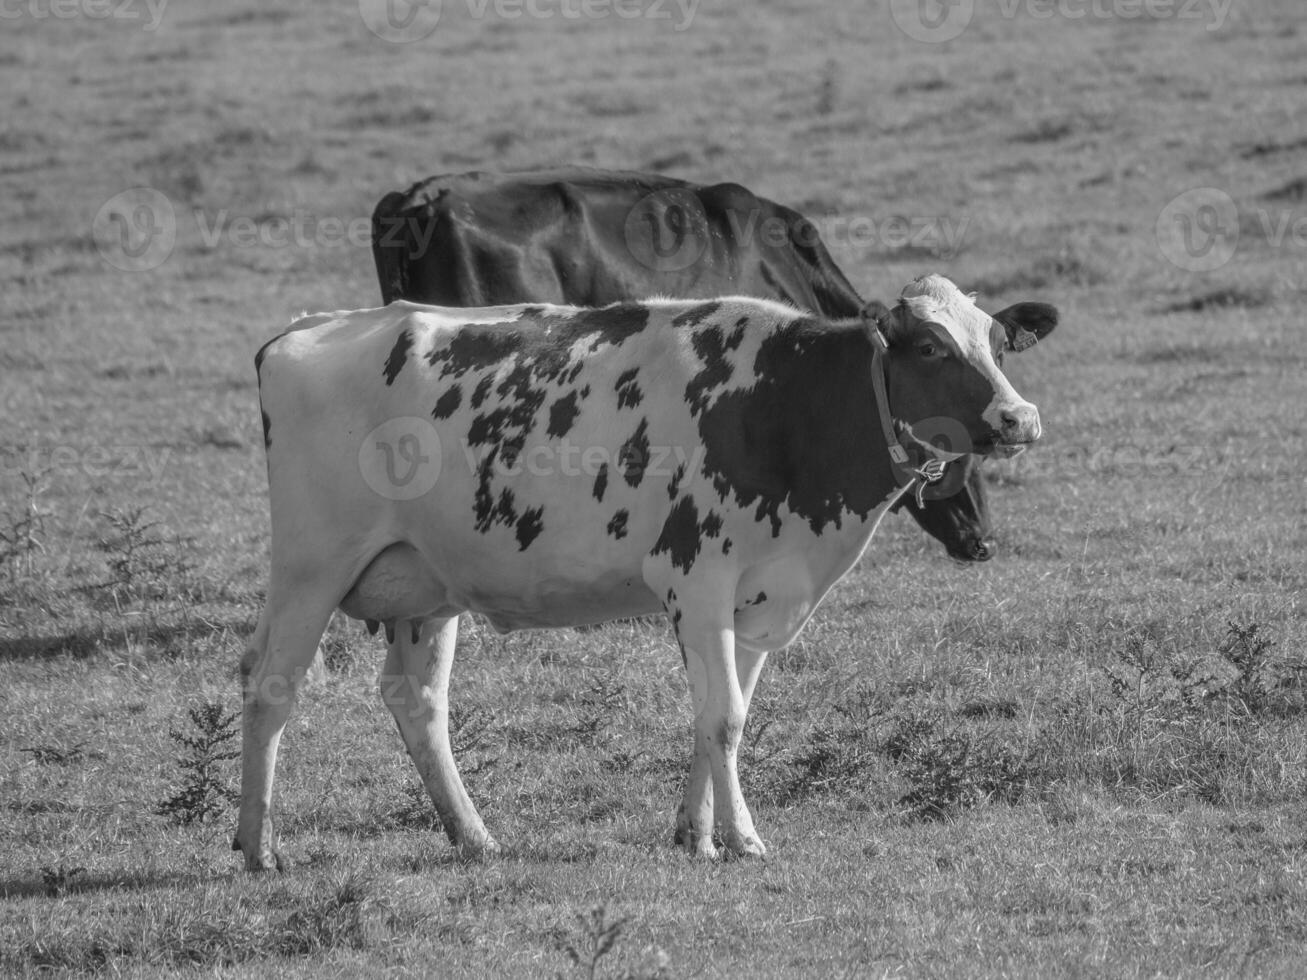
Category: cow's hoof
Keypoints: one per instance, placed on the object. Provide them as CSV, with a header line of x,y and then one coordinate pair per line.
x,y
700,848
736,847
479,849
263,858
268,860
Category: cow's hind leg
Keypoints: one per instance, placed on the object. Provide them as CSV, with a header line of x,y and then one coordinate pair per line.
x,y
415,686
272,670
696,809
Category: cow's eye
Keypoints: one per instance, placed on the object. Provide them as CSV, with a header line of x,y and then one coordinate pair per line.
x,y
927,349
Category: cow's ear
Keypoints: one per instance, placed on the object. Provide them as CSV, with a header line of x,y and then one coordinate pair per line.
x,y
1027,323
877,316
874,311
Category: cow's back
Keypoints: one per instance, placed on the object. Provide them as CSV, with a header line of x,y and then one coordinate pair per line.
x,y
593,237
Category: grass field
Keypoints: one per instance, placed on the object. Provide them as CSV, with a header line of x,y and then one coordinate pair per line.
x,y
1085,758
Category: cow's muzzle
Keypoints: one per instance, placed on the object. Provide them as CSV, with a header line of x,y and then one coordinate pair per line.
x,y
1018,425
977,549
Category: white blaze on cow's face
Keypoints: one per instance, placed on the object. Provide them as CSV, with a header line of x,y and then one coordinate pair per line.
x,y
948,352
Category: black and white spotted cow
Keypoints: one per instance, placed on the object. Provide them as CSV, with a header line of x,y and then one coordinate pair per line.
x,y
725,461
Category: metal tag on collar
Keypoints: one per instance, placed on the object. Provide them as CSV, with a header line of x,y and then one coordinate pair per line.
x,y
898,454
932,471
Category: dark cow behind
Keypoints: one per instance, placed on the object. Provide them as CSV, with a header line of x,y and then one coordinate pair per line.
x,y
592,237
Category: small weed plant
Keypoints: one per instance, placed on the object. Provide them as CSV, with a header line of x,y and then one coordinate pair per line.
x,y
22,535
598,936
205,793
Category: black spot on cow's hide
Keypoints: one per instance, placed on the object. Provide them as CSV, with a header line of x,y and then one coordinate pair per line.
x,y
711,344
695,315
674,487
267,429
529,526
601,482
726,546
712,524
562,414
633,457
508,424
675,610
475,346
612,324
447,404
804,435
398,355
680,535
487,510
542,343
617,526
628,391
482,390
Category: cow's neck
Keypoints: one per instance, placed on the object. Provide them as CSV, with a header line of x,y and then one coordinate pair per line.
x,y
807,437
846,451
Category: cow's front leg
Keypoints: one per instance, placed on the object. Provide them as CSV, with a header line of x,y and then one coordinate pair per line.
x,y
696,807
415,686
720,709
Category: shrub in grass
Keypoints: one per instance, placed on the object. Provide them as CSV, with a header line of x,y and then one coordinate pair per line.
x,y
205,792
953,770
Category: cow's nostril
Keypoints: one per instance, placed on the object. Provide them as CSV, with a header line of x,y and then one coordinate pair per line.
x,y
983,550
1009,420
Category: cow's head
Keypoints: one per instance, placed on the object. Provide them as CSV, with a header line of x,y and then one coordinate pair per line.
x,y
960,519
944,367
